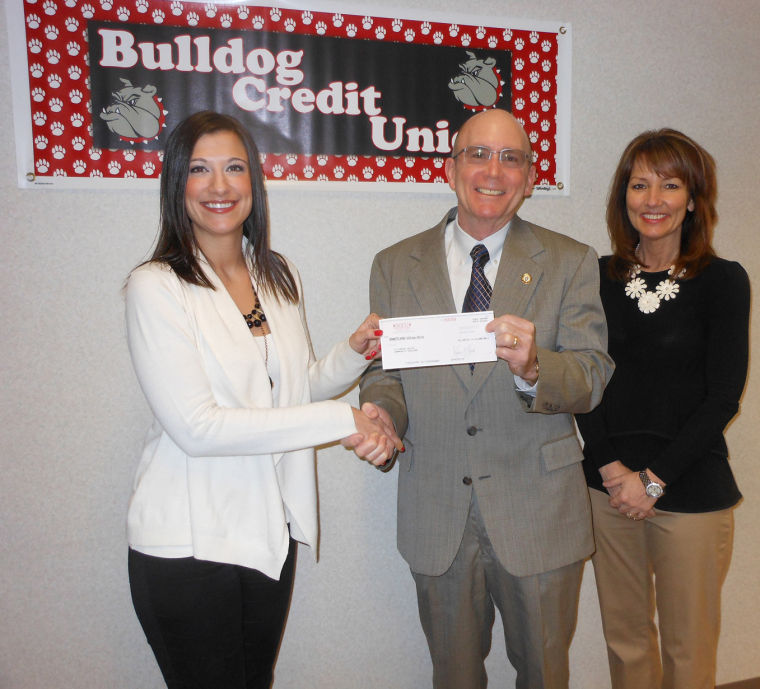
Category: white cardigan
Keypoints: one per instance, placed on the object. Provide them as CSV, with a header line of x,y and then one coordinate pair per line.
x,y
219,461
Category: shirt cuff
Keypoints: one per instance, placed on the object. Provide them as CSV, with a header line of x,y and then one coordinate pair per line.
x,y
524,386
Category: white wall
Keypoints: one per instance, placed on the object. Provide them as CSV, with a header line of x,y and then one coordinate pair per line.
x,y
72,416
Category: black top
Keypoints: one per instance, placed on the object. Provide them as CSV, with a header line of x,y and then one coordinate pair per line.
x,y
680,372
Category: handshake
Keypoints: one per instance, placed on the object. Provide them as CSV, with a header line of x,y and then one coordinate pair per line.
x,y
375,440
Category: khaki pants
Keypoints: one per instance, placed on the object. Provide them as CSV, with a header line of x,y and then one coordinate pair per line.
x,y
676,563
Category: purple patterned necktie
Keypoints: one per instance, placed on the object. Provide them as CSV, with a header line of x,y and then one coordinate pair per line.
x,y
478,297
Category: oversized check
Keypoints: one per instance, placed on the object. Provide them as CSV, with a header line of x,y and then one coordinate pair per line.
x,y
443,339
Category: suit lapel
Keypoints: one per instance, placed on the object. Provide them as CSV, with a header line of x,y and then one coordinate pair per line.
x,y
429,280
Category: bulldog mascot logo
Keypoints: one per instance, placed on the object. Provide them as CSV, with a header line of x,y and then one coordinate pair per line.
x,y
136,113
478,85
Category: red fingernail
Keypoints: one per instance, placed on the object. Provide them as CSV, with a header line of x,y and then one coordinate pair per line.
x,y
378,333
368,357
403,448
372,355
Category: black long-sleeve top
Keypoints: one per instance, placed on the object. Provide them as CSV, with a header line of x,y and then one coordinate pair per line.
x,y
680,372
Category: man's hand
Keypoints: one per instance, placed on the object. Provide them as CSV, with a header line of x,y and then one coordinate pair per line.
x,y
516,344
376,437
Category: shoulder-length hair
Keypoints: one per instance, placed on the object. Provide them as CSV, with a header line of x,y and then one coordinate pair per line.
x,y
668,153
177,246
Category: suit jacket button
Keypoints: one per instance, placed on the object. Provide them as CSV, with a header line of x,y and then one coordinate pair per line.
x,y
467,480
472,430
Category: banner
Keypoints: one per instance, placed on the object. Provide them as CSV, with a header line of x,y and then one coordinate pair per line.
x,y
328,96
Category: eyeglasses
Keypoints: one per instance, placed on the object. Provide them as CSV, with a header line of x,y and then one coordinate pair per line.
x,y
480,155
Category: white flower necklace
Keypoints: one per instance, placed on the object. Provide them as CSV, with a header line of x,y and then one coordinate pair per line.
x,y
649,302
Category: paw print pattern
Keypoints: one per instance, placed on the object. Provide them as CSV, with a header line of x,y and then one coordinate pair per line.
x,y
352,160
546,45
275,15
337,20
158,16
129,154
176,8
54,81
465,39
367,173
480,32
533,137
106,4
209,9
323,178
291,158
544,165
77,143
243,12
122,13
519,84
321,28
74,72
35,46
290,25
96,173
351,30
258,22
409,35
425,28
39,118
397,173
426,174
396,25
534,76
38,95
72,24
59,173
292,177
148,168
33,22
307,18
533,117
519,43
36,70
546,65
58,152
225,20
321,160
75,96
73,48
546,105
49,7
519,64
534,96
277,171
141,6
380,33
130,174
438,38
533,56
546,85
453,30
409,161
338,172
410,179
79,167
51,32
42,166
492,42
308,172
380,161
56,128
88,11
438,162
545,125
381,178
95,153
519,104
545,144
367,23
114,167
192,19
55,104
533,37
53,57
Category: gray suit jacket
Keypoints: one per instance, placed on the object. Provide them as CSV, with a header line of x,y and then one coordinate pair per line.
x,y
467,432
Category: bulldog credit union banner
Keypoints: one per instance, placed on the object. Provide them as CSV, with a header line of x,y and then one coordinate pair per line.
x,y
328,96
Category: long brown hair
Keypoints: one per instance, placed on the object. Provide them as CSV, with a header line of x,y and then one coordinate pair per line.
x,y
668,153
176,245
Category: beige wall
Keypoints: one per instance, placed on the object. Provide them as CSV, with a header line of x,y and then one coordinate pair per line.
x,y
72,417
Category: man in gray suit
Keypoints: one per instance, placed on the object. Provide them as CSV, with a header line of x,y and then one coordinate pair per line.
x,y
492,504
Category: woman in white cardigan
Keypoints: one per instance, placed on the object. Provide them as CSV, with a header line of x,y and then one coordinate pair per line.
x,y
226,483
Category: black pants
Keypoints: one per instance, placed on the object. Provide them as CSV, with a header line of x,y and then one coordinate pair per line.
x,y
211,625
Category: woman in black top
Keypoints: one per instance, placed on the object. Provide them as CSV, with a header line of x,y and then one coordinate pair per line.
x,y
655,457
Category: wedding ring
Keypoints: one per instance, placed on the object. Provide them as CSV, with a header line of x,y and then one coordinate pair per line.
x,y
515,342
629,515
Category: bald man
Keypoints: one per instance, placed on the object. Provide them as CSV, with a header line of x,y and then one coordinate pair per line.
x,y
493,510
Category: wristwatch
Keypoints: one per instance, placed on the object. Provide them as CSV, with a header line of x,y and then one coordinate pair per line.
x,y
652,488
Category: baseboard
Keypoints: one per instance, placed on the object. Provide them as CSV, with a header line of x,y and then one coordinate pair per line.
x,y
744,684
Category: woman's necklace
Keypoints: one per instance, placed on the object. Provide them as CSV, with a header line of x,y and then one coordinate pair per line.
x,y
257,319
649,302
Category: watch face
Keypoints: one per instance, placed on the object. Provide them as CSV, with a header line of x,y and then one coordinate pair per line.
x,y
654,490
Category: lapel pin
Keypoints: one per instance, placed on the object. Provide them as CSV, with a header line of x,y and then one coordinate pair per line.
x,y
526,278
